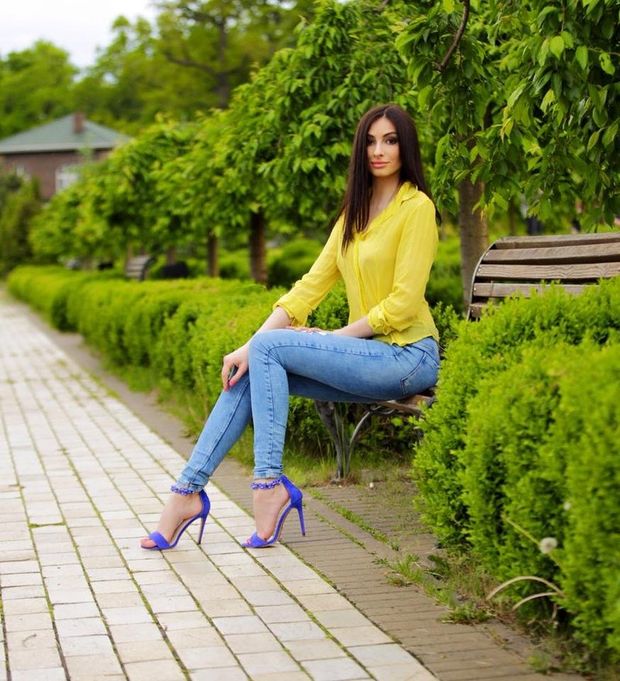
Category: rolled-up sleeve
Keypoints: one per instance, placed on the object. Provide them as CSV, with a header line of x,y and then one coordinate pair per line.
x,y
415,255
310,290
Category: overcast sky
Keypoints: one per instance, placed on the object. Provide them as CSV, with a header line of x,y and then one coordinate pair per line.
x,y
78,26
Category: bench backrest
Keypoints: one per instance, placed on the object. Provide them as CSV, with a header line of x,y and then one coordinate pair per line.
x,y
523,263
136,267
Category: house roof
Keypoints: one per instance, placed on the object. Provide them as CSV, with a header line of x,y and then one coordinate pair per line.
x,y
60,135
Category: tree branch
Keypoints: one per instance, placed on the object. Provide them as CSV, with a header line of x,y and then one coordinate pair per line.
x,y
189,62
457,39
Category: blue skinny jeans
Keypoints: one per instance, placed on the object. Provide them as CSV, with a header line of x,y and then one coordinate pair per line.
x,y
319,365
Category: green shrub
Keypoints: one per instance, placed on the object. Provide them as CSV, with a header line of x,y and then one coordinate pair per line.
x,y
48,290
510,483
585,436
540,462
481,350
19,203
234,264
294,260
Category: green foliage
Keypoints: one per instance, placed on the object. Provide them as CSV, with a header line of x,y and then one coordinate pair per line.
x,y
48,289
130,196
444,285
509,478
187,61
512,450
35,87
526,103
560,108
71,224
456,103
482,350
585,436
293,261
234,265
539,462
19,202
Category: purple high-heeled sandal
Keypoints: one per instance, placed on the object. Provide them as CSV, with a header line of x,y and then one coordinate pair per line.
x,y
296,497
162,544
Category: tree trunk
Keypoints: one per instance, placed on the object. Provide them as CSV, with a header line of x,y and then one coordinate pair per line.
x,y
258,264
213,265
171,255
223,76
474,233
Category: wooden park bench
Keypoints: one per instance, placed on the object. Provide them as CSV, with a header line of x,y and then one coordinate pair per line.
x,y
137,266
511,265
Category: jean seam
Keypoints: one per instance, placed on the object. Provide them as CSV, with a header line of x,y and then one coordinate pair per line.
x,y
421,364
271,410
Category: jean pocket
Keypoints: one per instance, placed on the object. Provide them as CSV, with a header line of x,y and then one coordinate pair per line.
x,y
421,377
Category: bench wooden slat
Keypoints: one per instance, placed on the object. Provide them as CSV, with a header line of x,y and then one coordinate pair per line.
x,y
607,252
495,290
590,272
556,240
136,267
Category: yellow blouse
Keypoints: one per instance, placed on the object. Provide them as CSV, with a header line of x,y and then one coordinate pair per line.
x,y
385,270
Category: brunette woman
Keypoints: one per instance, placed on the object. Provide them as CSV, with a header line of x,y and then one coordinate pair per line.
x,y
382,246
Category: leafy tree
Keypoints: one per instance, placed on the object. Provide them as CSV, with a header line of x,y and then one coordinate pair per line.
x,y
188,62
70,225
126,194
35,87
522,103
452,59
186,186
19,202
220,40
129,83
561,110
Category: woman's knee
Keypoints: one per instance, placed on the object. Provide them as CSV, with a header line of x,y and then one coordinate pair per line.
x,y
264,342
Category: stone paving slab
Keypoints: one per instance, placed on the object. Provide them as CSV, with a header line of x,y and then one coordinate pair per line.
x,y
80,479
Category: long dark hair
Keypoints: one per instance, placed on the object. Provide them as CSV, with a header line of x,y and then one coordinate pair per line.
x,y
356,203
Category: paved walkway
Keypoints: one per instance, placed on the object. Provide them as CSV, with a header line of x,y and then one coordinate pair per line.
x,y
81,477
80,599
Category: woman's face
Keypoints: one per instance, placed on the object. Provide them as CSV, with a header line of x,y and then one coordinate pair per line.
x,y
382,147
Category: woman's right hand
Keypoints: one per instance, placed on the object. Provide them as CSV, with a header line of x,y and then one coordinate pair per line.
x,y
236,361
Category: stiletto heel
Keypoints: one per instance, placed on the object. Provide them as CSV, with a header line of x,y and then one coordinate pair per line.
x,y
295,501
301,520
202,528
162,544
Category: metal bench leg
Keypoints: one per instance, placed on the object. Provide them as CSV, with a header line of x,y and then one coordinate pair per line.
x,y
335,421
353,439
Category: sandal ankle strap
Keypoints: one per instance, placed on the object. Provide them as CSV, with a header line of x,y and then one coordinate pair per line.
x,y
181,490
266,485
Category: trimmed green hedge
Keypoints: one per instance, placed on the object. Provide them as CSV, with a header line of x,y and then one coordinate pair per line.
x,y
180,329
522,445
481,350
541,461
